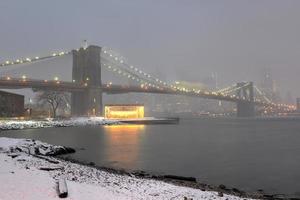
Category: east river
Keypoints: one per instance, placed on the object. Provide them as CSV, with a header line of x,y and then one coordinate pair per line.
x,y
246,154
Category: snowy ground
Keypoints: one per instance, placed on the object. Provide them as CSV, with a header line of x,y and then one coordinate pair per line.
x,y
21,178
82,121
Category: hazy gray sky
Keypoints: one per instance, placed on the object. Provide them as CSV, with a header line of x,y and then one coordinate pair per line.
x,y
187,39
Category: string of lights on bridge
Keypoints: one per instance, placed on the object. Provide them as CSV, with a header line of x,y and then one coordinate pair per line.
x,y
148,81
225,90
33,59
118,60
262,94
117,70
118,65
29,60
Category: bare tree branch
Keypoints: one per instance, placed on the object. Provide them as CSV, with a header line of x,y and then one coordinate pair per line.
x,y
55,99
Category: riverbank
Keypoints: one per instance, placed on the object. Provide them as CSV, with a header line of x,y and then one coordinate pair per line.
x,y
26,174
30,124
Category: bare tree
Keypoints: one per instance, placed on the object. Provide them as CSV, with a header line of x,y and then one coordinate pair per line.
x,y
55,99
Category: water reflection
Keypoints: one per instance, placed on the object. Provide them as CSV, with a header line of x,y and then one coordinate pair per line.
x,y
123,144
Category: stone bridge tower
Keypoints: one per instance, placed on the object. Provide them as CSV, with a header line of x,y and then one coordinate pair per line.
x,y
87,70
245,107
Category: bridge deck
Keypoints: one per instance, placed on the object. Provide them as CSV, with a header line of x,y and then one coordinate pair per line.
x,y
13,83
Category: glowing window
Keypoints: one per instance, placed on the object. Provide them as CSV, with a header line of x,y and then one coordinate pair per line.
x,y
129,111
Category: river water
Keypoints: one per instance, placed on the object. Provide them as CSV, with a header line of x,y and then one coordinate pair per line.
x,y
246,154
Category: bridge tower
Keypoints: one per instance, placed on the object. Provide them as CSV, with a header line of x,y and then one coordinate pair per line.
x,y
245,107
87,70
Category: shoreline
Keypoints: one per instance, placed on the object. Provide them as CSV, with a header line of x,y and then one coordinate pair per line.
x,y
6,125
183,181
136,185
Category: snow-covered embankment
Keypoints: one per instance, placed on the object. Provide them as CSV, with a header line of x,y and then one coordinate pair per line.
x,y
23,176
26,124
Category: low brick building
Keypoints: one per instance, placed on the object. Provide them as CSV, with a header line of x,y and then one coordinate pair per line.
x,y
11,105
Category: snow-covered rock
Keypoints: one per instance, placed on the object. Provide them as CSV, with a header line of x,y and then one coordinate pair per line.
x,y
32,147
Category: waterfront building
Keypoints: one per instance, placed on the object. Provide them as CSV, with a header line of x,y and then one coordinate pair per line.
x,y
11,105
124,111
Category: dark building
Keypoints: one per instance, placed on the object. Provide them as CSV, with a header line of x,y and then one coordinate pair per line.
x,y
11,105
298,104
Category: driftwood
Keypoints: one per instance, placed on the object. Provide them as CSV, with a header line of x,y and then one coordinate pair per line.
x,y
180,178
50,168
62,188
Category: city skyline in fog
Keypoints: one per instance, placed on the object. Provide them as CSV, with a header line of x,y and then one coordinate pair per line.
x,y
187,40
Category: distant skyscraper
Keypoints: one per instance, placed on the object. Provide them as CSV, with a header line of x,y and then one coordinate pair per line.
x,y
211,81
267,79
268,85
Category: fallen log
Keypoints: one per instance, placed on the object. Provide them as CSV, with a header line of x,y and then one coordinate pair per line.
x,y
180,178
62,188
50,168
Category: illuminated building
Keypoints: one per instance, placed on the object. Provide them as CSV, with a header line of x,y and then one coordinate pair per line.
x,y
124,111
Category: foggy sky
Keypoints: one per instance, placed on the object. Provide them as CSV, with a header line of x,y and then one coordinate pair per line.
x,y
183,39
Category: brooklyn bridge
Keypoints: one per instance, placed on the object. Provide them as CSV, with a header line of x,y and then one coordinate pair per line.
x,y
87,87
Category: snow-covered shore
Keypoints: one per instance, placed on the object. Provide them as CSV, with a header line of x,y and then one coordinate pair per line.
x,y
21,177
26,124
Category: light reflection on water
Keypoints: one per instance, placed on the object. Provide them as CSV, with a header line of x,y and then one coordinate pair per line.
x,y
123,143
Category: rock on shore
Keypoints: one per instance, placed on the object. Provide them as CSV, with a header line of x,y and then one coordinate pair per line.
x,y
32,147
